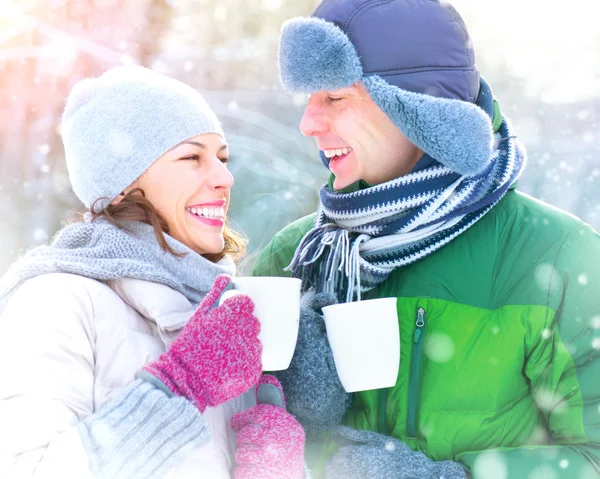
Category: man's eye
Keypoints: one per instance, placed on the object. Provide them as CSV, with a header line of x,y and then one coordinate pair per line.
x,y
332,99
225,161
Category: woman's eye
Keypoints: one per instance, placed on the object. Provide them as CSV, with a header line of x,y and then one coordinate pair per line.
x,y
225,161
191,157
331,99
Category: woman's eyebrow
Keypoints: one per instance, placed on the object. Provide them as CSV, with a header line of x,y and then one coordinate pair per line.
x,y
203,146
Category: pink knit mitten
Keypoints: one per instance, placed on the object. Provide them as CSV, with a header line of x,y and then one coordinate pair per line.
x,y
217,355
270,442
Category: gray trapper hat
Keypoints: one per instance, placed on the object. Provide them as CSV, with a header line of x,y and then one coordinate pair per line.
x,y
432,105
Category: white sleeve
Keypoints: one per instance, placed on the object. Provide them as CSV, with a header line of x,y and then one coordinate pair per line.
x,y
46,379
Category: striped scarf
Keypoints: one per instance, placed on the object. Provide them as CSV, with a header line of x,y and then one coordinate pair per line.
x,y
359,238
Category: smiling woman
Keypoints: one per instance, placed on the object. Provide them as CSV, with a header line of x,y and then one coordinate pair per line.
x,y
131,369
185,193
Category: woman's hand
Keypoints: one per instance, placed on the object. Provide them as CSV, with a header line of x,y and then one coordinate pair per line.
x,y
217,355
270,442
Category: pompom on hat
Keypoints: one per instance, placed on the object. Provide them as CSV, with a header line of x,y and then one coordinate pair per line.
x,y
414,57
115,126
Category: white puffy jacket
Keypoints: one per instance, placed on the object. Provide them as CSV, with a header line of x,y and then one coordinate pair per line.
x,y
68,344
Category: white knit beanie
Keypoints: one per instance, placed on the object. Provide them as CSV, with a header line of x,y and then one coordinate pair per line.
x,y
115,126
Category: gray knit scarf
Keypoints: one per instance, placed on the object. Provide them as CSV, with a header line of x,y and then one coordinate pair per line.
x,y
102,251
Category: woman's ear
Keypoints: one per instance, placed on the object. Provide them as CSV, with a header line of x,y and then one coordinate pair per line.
x,y
118,199
125,192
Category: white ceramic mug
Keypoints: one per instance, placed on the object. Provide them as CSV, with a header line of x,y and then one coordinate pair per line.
x,y
277,307
365,340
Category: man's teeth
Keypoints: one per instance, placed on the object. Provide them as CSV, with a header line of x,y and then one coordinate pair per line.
x,y
213,213
337,152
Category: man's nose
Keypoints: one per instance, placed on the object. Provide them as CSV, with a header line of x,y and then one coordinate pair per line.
x,y
313,122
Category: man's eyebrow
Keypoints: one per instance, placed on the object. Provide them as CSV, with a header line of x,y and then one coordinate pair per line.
x,y
202,145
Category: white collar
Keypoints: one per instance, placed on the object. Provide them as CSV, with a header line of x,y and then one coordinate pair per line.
x,y
166,307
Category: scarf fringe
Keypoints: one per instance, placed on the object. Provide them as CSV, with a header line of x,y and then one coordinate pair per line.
x,y
359,238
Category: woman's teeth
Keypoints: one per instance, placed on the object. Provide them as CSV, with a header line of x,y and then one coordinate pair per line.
x,y
213,213
337,152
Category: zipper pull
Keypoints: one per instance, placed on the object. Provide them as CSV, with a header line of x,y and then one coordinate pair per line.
x,y
420,324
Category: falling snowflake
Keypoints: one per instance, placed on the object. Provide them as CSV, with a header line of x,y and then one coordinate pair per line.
x,y
588,137
439,347
490,465
120,143
220,13
188,66
546,333
272,4
542,472
390,446
547,276
39,235
300,100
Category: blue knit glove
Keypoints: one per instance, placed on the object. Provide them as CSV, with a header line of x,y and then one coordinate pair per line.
x,y
369,454
313,391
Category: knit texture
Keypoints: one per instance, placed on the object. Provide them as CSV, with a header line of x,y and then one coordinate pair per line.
x,y
102,251
141,434
313,390
359,238
115,126
217,355
368,454
270,442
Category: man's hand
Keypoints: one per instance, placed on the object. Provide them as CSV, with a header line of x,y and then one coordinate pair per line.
x,y
312,387
369,454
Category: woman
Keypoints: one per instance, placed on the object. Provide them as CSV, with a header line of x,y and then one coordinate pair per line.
x,y
116,362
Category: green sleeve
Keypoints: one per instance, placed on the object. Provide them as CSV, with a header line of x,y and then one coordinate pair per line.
x,y
278,254
563,366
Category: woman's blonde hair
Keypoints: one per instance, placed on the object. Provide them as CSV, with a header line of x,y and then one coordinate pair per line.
x,y
135,207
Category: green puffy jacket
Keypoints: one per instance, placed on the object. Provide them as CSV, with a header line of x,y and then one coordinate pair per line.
x,y
500,345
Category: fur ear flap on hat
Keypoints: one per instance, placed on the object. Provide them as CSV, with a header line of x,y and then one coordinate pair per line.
x,y
316,55
456,133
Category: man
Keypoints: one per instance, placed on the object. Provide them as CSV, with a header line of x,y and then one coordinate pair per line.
x,y
498,301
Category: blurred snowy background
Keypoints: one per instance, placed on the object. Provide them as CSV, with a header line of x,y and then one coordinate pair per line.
x,y
541,58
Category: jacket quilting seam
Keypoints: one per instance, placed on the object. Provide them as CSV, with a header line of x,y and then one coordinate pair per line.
x,y
424,69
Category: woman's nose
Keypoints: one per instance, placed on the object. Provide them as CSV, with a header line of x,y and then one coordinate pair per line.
x,y
220,176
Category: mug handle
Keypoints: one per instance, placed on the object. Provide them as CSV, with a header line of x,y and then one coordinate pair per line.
x,y
228,293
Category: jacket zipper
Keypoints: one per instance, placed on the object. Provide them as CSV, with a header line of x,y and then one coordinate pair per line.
x,y
414,385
